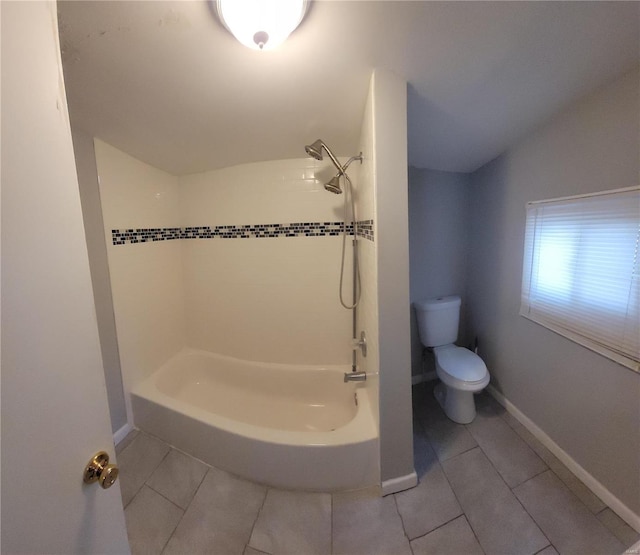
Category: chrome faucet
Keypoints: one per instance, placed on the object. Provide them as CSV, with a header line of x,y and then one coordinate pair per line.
x,y
355,376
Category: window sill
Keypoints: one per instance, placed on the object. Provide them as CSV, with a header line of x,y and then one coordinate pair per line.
x,y
622,360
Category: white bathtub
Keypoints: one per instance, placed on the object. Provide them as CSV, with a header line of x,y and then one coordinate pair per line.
x,y
295,427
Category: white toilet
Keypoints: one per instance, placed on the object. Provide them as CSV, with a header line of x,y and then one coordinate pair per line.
x,y
462,372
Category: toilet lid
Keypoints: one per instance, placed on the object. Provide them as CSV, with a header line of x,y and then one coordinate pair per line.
x,y
462,364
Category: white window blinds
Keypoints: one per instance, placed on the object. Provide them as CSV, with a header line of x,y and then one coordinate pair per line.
x,y
581,271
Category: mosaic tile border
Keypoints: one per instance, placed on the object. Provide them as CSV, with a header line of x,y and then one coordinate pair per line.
x,y
249,231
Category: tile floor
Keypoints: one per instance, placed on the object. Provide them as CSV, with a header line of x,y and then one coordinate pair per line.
x,y
488,487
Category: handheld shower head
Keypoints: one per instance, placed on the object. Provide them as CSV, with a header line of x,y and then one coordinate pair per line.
x,y
333,186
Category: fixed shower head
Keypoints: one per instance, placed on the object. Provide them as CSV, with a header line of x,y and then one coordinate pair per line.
x,y
333,186
315,149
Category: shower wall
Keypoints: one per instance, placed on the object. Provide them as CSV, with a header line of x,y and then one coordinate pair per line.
x,y
146,278
269,292
242,261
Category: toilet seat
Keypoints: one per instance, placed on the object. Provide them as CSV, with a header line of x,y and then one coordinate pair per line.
x,y
460,368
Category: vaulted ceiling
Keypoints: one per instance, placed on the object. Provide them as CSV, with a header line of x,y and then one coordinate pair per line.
x,y
165,82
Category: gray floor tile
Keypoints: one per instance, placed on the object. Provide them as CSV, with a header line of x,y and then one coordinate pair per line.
x,y
424,456
454,538
250,551
150,519
512,457
591,500
535,444
126,441
220,517
582,492
549,550
293,522
366,524
432,502
618,527
511,420
137,462
486,405
447,438
178,477
568,524
498,520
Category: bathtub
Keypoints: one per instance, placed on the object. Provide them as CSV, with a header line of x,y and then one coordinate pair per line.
x,y
293,427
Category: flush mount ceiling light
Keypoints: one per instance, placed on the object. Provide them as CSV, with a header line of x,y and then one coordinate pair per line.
x,y
261,24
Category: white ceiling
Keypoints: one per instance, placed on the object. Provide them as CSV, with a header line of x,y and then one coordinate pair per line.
x,y
165,82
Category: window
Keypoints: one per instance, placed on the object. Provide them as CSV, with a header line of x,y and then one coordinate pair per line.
x,y
580,275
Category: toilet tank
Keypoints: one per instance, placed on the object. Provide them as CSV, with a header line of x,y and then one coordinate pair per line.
x,y
438,320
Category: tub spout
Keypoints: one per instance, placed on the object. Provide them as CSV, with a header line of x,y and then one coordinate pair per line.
x,y
355,377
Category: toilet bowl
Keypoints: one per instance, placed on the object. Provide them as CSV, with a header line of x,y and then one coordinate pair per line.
x,y
461,371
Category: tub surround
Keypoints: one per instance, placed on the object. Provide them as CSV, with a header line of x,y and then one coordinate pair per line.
x,y
249,299
232,277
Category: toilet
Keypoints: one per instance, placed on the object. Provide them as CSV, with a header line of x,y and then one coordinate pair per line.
x,y
462,372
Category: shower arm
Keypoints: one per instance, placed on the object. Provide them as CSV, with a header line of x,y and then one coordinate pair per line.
x,y
341,169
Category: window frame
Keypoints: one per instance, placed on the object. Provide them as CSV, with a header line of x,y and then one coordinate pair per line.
x,y
529,255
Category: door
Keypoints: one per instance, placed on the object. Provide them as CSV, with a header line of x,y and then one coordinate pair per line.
x,y
54,408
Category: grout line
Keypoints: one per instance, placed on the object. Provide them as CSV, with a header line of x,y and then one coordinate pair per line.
x,y
461,452
440,526
518,438
165,497
264,499
530,515
530,478
144,483
575,494
184,511
464,515
331,523
570,464
561,464
404,531
515,496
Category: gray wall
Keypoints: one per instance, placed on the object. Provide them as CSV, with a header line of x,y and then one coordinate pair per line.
x,y
94,229
439,210
587,404
391,231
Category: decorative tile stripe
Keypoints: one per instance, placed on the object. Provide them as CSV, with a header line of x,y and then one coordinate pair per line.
x,y
258,231
365,229
123,236
305,229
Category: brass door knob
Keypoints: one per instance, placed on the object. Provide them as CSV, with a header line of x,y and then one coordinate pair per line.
x,y
99,470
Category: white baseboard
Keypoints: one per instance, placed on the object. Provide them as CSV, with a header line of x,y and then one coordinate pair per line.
x,y
122,433
400,483
617,506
